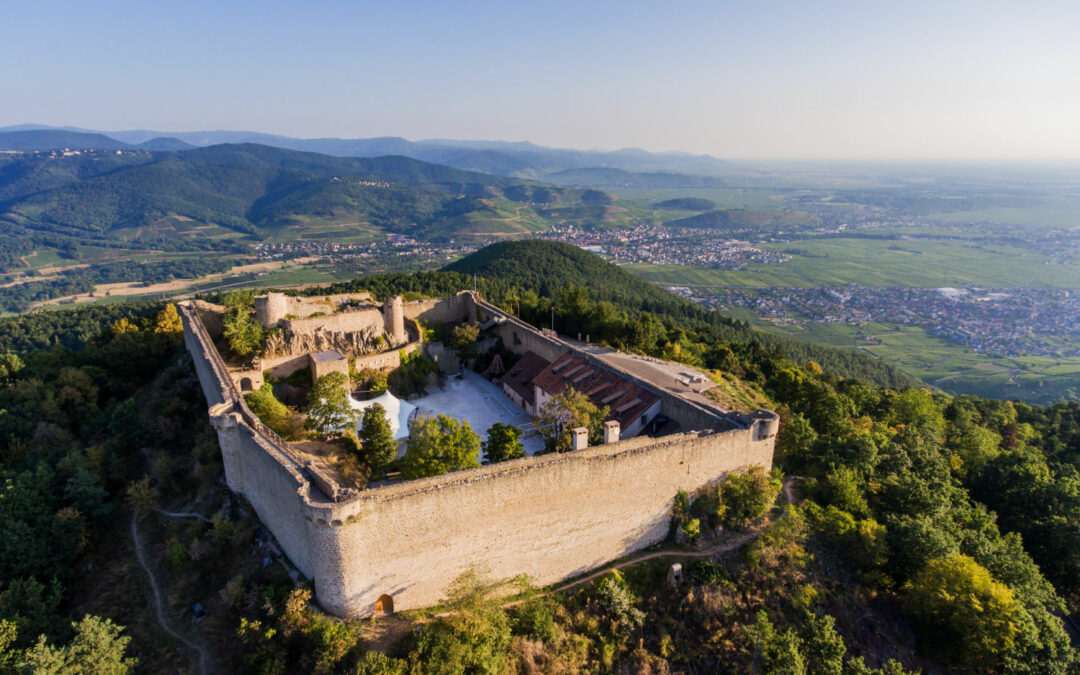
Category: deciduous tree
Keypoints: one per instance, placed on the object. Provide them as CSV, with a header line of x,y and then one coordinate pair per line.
x,y
503,443
440,444
328,404
564,413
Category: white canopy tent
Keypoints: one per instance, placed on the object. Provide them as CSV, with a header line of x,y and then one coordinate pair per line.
x,y
398,412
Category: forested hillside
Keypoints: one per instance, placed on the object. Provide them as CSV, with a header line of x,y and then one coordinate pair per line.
x,y
535,273
927,532
244,188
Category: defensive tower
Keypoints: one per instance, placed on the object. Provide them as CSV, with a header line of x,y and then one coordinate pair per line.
x,y
271,308
394,319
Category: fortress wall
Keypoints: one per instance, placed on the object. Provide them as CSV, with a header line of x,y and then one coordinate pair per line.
x,y
208,379
257,464
284,366
551,517
273,485
518,336
211,315
343,322
443,310
388,359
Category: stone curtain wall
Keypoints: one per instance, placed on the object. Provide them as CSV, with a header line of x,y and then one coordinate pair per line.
x,y
551,517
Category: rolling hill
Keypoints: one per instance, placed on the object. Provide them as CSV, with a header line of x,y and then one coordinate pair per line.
x,y
249,188
547,267
741,219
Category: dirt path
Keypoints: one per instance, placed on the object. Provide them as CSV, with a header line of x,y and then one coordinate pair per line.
x,y
157,599
185,514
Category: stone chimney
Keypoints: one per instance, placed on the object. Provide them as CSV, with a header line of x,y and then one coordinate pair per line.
x,y
611,431
580,438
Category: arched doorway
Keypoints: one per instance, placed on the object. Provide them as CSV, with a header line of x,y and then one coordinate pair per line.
x,y
245,384
384,606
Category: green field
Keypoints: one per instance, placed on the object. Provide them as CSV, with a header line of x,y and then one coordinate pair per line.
x,y
1061,210
953,367
875,262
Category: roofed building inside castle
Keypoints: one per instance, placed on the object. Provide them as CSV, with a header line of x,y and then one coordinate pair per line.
x,y
399,544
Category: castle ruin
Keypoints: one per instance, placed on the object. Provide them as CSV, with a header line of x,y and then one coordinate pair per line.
x,y
399,545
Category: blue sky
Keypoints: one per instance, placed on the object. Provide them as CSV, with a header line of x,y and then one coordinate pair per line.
x,y
768,79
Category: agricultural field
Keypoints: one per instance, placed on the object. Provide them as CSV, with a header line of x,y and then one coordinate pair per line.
x,y
950,366
873,262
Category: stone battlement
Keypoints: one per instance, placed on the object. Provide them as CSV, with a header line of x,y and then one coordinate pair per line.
x,y
550,516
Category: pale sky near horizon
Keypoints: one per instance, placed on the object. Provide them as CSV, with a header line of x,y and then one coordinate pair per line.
x,y
767,79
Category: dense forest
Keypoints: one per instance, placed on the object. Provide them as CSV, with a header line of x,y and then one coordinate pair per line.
x,y
927,532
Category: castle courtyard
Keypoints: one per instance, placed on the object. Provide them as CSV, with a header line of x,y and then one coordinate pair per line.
x,y
481,403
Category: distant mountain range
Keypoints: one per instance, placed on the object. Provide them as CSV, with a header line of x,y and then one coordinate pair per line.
x,y
520,159
248,188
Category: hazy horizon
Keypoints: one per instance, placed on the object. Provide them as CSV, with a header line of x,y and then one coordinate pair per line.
x,y
765,81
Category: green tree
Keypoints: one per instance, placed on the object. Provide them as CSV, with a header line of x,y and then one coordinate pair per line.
x,y
822,646
97,649
963,611
564,413
778,652
619,605
376,439
472,637
267,408
10,363
795,442
9,655
463,339
328,403
747,495
243,333
440,444
503,443
142,497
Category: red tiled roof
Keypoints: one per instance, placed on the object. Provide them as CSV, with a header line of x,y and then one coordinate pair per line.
x,y
521,375
627,399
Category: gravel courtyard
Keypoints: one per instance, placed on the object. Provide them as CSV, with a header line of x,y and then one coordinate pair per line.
x,y
480,402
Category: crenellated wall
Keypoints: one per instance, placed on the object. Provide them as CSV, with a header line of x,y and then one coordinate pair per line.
x,y
551,517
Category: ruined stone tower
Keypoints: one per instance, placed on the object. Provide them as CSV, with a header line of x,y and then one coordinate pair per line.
x,y
394,319
271,308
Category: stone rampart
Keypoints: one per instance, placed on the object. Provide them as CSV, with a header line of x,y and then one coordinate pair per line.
x,y
445,310
551,517
272,308
354,321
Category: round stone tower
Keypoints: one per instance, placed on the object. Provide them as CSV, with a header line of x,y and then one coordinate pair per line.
x,y
766,424
394,320
271,308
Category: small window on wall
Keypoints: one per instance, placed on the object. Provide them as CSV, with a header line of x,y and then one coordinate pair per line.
x,y
644,419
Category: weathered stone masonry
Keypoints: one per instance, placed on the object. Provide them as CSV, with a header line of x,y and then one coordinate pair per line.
x,y
551,517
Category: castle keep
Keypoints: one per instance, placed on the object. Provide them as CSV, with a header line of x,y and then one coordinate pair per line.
x,y
399,545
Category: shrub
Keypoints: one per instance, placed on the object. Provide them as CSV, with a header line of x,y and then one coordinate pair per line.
x,y
746,496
